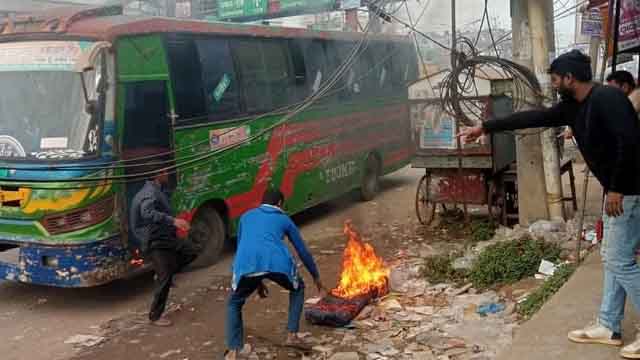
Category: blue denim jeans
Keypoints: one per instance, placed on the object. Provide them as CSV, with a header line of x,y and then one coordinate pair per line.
x,y
246,287
621,271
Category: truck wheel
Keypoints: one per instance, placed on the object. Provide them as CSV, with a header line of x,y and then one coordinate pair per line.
x,y
371,179
208,235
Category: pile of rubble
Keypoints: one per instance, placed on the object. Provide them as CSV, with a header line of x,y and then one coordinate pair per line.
x,y
419,321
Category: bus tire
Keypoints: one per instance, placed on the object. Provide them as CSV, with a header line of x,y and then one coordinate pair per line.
x,y
371,179
208,235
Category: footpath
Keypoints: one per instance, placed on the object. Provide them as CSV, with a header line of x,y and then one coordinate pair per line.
x,y
574,306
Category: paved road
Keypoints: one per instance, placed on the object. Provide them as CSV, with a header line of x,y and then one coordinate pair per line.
x,y
35,321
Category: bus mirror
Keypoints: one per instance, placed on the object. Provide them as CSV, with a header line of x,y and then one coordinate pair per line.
x,y
90,107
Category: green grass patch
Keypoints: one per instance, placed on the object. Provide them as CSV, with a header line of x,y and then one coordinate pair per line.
x,y
439,269
482,230
535,301
511,261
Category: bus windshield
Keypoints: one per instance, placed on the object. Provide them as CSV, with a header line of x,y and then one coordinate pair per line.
x,y
43,112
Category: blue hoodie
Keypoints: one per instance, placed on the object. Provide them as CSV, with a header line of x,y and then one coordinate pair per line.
x,y
261,246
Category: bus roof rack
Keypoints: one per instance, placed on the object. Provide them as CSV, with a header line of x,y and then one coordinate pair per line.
x,y
56,20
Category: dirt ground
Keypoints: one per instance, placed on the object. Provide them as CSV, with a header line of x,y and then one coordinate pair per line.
x,y
198,331
34,318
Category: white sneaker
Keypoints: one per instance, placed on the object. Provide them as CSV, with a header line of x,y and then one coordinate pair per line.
x,y
632,351
595,334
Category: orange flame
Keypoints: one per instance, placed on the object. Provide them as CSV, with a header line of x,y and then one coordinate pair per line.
x,y
363,272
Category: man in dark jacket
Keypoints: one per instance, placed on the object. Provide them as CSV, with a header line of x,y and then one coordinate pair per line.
x,y
155,227
606,129
263,255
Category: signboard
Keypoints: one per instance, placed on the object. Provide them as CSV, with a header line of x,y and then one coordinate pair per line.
x,y
592,23
241,8
350,4
629,25
41,55
249,10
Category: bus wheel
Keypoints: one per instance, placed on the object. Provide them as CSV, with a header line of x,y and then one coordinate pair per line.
x,y
208,236
371,179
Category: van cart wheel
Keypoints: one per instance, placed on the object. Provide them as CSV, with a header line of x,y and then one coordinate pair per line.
x,y
495,202
208,235
425,209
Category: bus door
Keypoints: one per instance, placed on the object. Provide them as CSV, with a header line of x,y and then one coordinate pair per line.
x,y
147,135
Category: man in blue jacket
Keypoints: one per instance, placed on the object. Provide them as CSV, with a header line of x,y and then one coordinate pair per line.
x,y
262,254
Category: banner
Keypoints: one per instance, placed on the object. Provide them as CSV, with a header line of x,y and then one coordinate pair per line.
x,y
629,25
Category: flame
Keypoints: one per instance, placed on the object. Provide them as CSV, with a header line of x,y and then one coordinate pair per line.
x,y
363,272
137,259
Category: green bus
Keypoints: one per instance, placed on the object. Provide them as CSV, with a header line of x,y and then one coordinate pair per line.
x,y
87,94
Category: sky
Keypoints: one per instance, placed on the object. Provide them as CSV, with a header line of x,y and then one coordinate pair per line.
x,y
470,12
437,14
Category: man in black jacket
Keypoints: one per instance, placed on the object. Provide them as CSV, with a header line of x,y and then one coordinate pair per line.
x,y
153,224
605,126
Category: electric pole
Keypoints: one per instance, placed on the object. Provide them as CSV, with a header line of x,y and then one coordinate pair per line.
x,y
542,26
531,182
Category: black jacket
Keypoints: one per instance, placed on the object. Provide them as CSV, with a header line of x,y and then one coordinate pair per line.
x,y
606,128
151,220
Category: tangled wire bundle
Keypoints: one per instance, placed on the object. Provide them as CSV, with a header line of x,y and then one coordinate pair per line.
x,y
459,91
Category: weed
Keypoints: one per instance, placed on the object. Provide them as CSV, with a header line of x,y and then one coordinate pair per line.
x,y
482,230
508,262
439,269
535,301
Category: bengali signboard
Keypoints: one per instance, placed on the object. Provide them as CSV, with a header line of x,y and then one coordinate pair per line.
x,y
629,25
41,55
228,9
592,23
238,9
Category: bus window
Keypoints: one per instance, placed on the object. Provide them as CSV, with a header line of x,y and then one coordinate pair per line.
x,y
186,77
382,73
253,75
405,66
300,90
316,61
337,53
278,76
220,81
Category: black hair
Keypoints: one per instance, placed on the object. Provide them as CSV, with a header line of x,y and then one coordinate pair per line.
x,y
273,197
622,77
573,63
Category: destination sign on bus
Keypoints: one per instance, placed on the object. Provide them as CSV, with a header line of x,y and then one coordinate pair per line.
x,y
40,55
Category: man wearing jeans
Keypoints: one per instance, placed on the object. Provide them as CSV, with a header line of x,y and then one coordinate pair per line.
x,y
605,126
263,255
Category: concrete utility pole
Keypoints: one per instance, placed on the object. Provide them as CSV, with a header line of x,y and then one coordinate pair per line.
x,y
531,183
541,23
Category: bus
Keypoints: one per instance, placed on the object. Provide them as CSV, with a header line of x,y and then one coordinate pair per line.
x,y
87,93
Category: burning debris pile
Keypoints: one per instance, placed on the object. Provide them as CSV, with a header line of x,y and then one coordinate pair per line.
x,y
364,277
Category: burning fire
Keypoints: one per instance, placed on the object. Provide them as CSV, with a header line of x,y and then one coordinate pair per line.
x,y
363,272
137,259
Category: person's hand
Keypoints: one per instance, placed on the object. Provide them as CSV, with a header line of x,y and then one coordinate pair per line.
x,y
321,289
614,207
263,291
568,134
182,225
470,134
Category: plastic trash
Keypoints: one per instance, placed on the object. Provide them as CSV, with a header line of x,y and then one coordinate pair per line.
x,y
492,308
547,268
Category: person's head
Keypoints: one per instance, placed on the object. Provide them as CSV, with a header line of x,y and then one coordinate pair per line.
x,y
162,177
273,197
623,80
570,71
